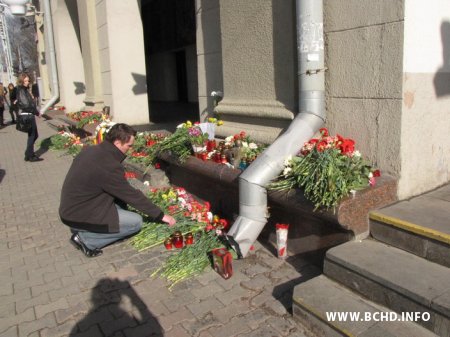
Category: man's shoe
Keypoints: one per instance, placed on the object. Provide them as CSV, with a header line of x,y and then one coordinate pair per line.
x,y
33,159
76,241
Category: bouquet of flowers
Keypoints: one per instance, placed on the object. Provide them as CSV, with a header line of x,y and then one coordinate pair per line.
x,y
102,129
66,141
327,169
142,145
197,138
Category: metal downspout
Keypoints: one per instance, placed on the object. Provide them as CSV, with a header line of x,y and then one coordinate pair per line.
x,y
48,32
253,212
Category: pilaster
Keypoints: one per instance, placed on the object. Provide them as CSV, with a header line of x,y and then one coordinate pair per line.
x,y
91,57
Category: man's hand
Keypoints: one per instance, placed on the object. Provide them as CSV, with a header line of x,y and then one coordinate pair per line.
x,y
170,220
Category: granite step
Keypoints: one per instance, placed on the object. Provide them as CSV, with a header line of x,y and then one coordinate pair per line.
x,y
420,226
394,278
57,125
316,300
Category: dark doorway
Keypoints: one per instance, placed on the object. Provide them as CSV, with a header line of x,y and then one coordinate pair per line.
x,y
171,59
180,60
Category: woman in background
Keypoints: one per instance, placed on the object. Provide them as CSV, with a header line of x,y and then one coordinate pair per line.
x,y
27,107
12,99
2,104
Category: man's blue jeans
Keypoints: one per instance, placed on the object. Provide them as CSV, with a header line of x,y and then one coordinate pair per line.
x,y
129,224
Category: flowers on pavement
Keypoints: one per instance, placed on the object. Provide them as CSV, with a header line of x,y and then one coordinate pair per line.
x,y
194,221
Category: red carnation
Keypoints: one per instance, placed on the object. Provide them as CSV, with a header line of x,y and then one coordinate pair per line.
x,y
347,146
321,146
324,132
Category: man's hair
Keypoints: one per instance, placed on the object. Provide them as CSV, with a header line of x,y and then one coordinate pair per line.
x,y
121,132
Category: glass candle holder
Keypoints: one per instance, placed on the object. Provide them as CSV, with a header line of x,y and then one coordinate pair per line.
x,y
189,239
168,244
177,239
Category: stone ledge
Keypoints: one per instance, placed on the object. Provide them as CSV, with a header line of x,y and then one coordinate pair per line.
x,y
310,232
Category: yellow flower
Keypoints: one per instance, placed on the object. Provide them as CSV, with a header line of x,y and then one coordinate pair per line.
x,y
189,123
164,196
220,123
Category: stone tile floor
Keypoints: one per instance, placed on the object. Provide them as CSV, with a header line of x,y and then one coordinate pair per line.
x,y
50,289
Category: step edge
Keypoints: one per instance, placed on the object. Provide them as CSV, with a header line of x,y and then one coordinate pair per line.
x,y
382,282
322,318
411,227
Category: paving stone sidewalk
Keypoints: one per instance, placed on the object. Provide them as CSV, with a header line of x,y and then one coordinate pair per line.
x,y
48,289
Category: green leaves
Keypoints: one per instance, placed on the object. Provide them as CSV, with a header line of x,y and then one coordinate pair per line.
x,y
178,144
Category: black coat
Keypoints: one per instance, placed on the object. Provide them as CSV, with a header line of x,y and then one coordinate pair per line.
x,y
25,101
95,179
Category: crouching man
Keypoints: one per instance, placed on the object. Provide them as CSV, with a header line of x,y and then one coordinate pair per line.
x,y
93,191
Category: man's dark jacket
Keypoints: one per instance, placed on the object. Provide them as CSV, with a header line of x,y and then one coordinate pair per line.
x,y
95,179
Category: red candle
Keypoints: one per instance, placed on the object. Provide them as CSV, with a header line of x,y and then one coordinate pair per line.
x,y
210,145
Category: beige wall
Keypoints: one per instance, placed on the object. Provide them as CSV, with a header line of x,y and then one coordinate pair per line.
x,y
425,151
122,60
364,41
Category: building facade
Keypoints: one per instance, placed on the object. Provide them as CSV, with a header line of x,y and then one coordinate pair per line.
x,y
387,71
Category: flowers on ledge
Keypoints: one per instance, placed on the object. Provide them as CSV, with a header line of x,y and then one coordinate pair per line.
x,y
86,117
327,169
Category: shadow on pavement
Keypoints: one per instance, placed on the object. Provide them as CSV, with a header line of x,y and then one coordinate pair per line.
x,y
43,147
116,307
285,291
2,174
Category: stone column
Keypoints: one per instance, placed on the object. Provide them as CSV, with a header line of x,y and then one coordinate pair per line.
x,y
68,51
122,60
209,54
91,57
259,67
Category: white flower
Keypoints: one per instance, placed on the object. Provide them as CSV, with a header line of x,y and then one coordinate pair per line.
x,y
140,134
356,154
209,216
180,125
216,94
288,160
286,171
370,175
146,183
253,146
353,193
244,144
